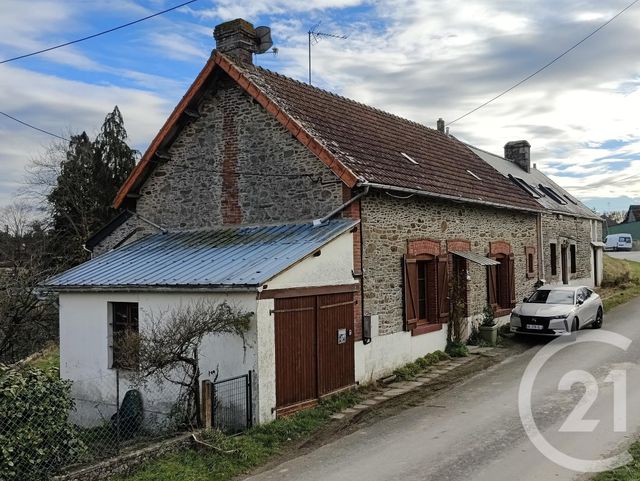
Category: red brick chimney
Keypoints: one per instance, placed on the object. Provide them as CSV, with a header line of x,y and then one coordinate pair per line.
x,y
236,38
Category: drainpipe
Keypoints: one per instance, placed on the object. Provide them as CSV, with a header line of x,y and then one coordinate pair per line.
x,y
324,219
541,274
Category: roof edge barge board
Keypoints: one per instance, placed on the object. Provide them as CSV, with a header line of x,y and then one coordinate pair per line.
x,y
121,289
450,197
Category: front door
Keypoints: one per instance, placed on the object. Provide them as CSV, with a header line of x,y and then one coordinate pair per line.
x,y
314,347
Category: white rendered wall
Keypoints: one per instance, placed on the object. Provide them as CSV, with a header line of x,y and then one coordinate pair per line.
x,y
333,266
85,352
386,353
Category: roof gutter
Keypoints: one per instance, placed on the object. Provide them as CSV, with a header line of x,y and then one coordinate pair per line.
x,y
407,190
337,210
151,288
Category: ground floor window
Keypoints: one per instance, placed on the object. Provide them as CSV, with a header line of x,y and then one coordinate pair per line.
x,y
501,282
553,258
426,290
124,321
572,253
530,253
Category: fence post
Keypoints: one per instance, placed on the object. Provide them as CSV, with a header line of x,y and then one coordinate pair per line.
x,y
118,410
206,404
249,400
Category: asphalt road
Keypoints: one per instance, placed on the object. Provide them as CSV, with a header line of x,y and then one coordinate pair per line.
x,y
629,255
474,431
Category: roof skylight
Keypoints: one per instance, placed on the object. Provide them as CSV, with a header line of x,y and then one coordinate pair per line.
x,y
408,158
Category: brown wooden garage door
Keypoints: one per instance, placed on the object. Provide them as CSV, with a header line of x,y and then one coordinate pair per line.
x,y
314,346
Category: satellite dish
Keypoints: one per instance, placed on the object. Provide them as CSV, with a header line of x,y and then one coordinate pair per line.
x,y
263,39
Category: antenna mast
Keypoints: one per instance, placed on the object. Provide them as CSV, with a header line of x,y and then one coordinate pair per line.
x,y
315,36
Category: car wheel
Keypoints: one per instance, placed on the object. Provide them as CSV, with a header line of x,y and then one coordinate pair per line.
x,y
597,324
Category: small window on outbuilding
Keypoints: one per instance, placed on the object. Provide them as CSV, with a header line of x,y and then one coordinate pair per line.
x,y
553,258
124,323
572,250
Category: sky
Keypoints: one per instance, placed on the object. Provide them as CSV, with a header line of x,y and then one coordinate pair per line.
x,y
421,59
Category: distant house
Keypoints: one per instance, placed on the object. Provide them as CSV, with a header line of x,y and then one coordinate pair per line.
x,y
632,215
630,225
353,234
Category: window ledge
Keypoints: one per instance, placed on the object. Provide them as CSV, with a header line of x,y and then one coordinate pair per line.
x,y
425,328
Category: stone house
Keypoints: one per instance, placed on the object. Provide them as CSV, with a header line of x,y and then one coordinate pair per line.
x,y
434,231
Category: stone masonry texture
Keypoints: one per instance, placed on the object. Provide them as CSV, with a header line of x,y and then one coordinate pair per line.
x,y
389,222
237,148
562,228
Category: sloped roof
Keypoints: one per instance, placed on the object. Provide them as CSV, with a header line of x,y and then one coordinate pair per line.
x,y
224,258
359,143
536,178
633,214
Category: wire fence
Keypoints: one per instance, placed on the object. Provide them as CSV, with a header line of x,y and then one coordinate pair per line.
x,y
49,426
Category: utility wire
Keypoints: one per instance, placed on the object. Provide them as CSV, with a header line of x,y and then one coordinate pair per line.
x,y
34,127
97,34
547,64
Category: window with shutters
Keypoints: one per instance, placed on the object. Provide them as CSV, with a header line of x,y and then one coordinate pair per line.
x,y
124,321
501,284
426,292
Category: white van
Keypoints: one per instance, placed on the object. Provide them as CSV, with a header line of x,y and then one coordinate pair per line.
x,y
618,242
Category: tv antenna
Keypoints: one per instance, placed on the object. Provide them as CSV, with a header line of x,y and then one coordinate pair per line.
x,y
315,36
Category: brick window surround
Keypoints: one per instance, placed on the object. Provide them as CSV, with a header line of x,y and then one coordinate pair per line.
x,y
425,287
530,257
501,279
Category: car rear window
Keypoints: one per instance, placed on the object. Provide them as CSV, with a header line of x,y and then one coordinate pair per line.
x,y
551,296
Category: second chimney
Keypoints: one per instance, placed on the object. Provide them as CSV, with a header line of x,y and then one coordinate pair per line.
x,y
237,39
440,125
519,151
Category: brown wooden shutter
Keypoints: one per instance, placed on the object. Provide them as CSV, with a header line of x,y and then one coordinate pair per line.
x,y
432,291
443,288
492,285
512,280
410,288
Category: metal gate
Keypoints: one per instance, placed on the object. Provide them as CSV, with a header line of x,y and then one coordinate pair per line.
x,y
231,405
314,347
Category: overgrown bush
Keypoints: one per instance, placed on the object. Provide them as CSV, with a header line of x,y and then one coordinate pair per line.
x,y
35,438
457,349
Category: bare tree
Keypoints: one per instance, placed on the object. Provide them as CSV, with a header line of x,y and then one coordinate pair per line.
x,y
167,347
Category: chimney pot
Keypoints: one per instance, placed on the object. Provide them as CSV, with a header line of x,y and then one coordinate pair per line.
x,y
236,38
440,125
519,152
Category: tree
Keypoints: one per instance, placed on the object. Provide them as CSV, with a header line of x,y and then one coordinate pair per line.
x,y
80,182
27,319
167,347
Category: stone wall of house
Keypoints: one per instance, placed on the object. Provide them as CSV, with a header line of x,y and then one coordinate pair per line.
x,y
236,164
561,229
121,235
388,223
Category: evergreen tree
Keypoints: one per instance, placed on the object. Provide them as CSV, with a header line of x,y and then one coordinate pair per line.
x,y
89,178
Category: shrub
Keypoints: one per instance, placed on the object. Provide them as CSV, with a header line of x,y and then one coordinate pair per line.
x,y
35,438
488,316
457,349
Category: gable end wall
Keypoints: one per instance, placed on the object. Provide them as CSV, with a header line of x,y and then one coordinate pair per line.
x,y
237,164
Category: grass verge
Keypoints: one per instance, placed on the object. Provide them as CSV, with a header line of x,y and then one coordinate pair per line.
x,y
235,455
620,282
410,371
47,358
630,472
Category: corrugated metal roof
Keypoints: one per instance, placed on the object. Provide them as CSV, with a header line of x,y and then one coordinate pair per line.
x,y
225,258
476,258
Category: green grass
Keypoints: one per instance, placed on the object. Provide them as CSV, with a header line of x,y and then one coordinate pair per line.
x,y
410,371
48,358
620,282
630,472
247,451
